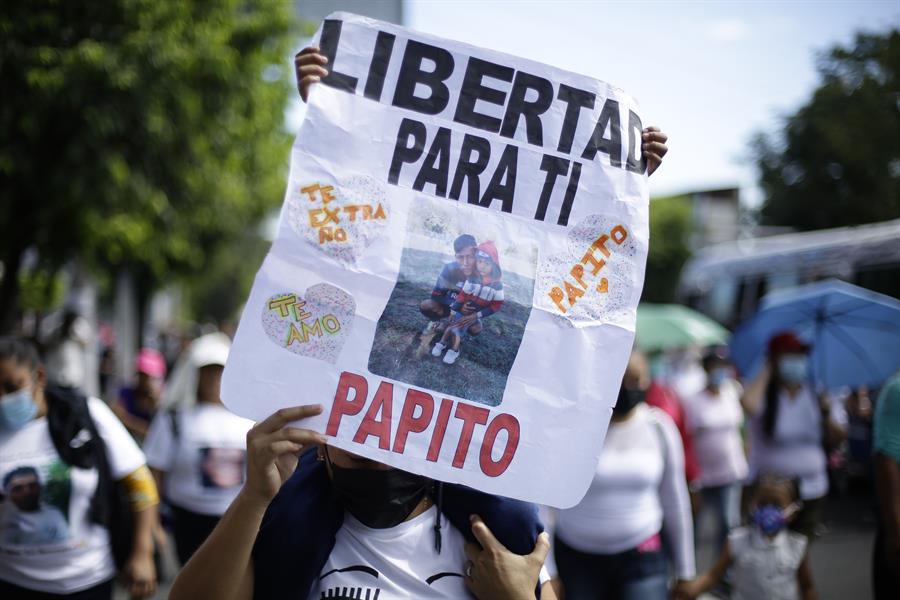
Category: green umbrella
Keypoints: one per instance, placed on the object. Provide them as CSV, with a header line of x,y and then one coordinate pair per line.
x,y
664,326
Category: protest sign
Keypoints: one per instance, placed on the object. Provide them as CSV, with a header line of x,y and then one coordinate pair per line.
x,y
458,263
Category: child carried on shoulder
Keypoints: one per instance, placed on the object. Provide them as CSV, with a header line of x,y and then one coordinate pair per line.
x,y
481,296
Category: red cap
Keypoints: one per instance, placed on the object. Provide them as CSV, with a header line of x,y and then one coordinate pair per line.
x,y
150,362
787,342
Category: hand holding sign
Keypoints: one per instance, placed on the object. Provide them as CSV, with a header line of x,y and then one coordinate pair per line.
x,y
493,572
272,450
309,67
653,147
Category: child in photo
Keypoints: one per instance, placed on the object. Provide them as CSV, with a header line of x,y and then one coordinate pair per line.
x,y
767,560
480,297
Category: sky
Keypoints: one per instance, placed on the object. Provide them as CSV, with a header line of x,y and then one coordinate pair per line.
x,y
710,73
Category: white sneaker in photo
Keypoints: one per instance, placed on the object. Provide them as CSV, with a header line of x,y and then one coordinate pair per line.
x,y
438,348
451,356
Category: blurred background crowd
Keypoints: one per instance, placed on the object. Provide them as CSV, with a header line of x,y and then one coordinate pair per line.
x,y
144,153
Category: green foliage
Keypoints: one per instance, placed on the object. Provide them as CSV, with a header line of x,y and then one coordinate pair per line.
x,y
217,293
670,230
837,162
143,132
41,289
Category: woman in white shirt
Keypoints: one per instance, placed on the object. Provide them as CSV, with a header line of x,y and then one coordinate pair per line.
x,y
790,425
714,418
196,447
610,545
63,532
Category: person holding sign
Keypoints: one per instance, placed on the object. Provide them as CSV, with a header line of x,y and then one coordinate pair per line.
x,y
285,537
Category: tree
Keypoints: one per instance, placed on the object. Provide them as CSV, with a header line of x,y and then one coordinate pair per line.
x,y
670,231
141,133
837,161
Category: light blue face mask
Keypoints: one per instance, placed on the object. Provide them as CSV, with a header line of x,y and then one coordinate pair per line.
x,y
17,409
718,376
793,368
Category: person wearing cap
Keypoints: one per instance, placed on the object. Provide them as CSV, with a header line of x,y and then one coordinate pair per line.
x,y
714,418
791,426
138,403
196,446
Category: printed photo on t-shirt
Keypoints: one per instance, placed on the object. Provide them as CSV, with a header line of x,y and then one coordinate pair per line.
x,y
222,467
34,507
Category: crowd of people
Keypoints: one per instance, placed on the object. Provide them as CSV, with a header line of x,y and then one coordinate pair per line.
x,y
270,510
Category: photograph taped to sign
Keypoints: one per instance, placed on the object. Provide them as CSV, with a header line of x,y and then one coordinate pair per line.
x,y
455,319
457,266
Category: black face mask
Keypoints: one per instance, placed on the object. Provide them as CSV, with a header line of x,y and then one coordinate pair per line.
x,y
628,399
378,499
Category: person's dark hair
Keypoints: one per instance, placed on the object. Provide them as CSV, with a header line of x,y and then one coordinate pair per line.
x,y
770,410
791,484
715,355
464,241
19,350
18,473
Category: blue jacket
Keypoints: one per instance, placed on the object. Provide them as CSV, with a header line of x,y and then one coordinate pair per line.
x,y
299,528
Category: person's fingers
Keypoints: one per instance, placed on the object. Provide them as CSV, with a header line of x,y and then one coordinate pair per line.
x,y
283,441
276,449
483,534
653,162
307,70
472,551
313,51
651,129
657,148
283,416
654,134
541,548
305,437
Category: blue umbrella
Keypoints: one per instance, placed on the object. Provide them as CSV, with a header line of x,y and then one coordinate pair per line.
x,y
854,333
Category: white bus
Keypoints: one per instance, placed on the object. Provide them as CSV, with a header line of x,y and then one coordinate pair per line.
x,y
726,281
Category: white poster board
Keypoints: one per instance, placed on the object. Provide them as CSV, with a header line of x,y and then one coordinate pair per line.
x,y
432,181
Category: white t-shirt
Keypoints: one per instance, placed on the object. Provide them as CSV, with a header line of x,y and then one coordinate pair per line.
x,y
56,548
205,465
795,448
638,490
399,562
396,563
764,568
715,422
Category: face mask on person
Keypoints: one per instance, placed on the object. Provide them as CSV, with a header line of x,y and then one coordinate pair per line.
x,y
628,399
378,499
793,369
17,409
718,376
771,518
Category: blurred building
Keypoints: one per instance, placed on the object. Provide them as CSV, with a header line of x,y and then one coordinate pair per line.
x,y
727,280
715,216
